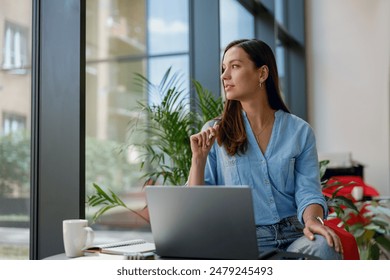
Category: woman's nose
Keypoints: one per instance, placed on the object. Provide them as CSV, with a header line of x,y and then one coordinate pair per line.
x,y
225,75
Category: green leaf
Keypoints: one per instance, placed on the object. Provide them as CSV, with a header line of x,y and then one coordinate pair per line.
x,y
368,234
359,232
341,200
107,202
374,252
323,166
384,241
364,253
101,193
380,222
101,211
373,227
378,210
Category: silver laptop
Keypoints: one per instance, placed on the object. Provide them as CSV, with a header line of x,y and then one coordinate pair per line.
x,y
205,222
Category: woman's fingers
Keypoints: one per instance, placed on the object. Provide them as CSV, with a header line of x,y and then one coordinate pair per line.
x,y
332,238
213,131
335,240
202,141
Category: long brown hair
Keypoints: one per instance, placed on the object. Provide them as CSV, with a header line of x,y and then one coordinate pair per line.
x,y
231,127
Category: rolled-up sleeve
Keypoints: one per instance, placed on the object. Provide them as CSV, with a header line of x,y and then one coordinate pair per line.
x,y
210,172
307,176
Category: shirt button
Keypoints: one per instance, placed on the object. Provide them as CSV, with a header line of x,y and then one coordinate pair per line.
x,y
266,182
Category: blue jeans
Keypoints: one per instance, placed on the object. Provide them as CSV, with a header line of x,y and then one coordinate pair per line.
x,y
287,235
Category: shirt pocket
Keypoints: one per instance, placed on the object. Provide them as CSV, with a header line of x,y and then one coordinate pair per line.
x,y
238,171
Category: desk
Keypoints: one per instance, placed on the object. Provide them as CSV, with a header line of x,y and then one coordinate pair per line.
x,y
275,255
91,257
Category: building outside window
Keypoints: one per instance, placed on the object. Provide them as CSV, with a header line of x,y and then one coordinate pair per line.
x,y
15,118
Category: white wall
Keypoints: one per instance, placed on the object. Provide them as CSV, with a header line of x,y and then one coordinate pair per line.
x,y
348,48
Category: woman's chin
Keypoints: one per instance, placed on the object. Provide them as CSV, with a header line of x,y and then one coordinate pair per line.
x,y
230,96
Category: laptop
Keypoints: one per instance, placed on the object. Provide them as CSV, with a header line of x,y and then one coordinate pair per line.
x,y
202,222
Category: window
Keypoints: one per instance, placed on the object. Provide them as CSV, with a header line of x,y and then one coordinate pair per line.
x,y
168,40
279,11
236,22
168,31
280,24
15,48
280,57
126,38
290,53
15,118
13,123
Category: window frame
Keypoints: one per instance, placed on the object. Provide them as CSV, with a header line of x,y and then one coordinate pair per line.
x,y
57,125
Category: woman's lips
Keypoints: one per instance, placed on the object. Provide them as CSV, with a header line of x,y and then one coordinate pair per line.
x,y
227,87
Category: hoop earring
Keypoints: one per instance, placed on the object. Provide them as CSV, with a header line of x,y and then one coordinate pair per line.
x,y
260,84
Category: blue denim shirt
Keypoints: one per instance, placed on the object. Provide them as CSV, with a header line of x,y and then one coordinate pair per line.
x,y
284,180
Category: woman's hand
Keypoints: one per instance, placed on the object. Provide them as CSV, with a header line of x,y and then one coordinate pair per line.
x,y
313,226
200,146
201,142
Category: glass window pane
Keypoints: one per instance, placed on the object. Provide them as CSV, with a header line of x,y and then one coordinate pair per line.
x,y
159,65
168,29
113,160
279,11
236,22
115,28
15,118
280,56
112,108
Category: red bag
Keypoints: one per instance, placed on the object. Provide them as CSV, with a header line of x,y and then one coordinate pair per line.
x,y
348,241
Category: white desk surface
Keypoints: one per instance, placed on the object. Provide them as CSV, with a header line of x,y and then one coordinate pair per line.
x,y
90,257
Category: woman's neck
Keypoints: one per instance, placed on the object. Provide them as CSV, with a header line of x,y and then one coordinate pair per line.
x,y
258,113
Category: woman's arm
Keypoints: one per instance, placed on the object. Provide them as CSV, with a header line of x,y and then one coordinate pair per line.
x,y
313,218
196,177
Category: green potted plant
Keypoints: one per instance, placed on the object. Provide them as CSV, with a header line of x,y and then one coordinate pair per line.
x,y
368,221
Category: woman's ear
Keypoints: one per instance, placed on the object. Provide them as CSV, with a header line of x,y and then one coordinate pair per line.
x,y
263,73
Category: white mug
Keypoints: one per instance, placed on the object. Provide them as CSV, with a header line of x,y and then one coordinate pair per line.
x,y
77,236
357,193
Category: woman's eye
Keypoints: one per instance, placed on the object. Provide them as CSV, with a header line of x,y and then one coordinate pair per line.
x,y
234,66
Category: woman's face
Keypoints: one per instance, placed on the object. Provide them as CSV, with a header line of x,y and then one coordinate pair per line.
x,y
240,77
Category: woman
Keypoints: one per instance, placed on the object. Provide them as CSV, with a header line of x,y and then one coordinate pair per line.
x,y
258,143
